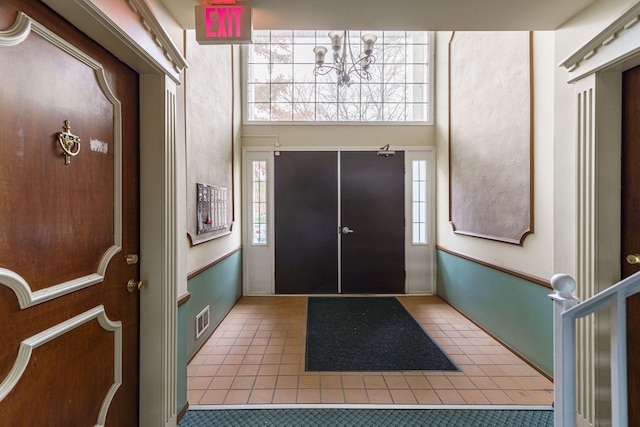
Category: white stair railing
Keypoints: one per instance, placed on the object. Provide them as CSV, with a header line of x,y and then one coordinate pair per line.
x,y
567,308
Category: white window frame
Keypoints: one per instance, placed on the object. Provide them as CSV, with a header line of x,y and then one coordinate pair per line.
x,y
425,188
420,258
266,202
429,105
258,260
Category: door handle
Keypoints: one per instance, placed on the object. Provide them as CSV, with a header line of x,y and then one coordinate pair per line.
x,y
132,285
633,258
346,230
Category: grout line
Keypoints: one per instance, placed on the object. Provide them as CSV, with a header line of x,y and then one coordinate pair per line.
x,y
282,324
373,406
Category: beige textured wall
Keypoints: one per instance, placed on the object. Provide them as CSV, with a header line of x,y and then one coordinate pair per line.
x,y
211,122
490,134
535,257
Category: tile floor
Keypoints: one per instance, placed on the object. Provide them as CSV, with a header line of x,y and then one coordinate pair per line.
x,y
256,356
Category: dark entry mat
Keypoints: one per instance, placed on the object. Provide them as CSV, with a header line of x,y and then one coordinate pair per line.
x,y
368,334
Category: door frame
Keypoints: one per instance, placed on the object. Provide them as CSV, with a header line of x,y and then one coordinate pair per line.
x,y
597,80
259,260
131,32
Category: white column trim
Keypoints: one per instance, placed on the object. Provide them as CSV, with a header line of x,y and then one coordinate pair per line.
x,y
596,70
159,251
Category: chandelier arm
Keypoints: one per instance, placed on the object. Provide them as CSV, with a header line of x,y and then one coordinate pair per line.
x,y
358,67
341,57
353,59
324,69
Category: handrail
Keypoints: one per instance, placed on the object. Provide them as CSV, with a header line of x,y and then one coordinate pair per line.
x,y
567,308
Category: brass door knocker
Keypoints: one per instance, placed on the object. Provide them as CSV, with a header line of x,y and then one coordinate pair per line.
x,y
67,140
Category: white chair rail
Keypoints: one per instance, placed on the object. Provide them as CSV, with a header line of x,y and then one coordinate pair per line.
x,y
568,308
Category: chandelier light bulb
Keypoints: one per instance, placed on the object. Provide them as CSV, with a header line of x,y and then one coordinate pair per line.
x,y
320,51
369,40
336,39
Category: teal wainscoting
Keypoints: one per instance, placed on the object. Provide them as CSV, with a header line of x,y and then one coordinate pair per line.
x,y
219,287
516,311
181,369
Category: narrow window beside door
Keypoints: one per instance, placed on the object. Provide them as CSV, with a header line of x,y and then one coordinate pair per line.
x,y
419,202
259,200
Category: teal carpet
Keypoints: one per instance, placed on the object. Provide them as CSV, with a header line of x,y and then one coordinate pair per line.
x,y
368,417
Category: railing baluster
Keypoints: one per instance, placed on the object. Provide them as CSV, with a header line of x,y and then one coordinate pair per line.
x,y
564,360
566,311
619,406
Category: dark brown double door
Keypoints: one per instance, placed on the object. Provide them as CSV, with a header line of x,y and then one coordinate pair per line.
x,y
339,222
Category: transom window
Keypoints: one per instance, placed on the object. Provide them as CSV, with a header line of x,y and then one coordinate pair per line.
x,y
281,85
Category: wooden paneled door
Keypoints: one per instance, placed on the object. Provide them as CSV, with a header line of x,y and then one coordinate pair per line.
x,y
69,326
631,226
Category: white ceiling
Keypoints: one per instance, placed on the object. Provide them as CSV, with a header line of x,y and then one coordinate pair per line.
x,y
434,15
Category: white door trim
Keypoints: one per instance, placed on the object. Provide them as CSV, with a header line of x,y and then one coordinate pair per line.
x,y
259,261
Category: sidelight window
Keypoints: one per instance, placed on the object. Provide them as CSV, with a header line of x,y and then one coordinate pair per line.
x,y
419,202
259,202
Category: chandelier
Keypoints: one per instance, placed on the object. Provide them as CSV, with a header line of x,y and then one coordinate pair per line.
x,y
344,62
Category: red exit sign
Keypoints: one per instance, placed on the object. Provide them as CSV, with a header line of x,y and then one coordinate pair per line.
x,y
223,23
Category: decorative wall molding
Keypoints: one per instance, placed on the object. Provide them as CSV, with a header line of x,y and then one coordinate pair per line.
x,y
14,35
118,27
524,276
594,54
27,298
491,135
158,34
207,266
27,346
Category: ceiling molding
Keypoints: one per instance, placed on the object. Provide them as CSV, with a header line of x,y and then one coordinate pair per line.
x,y
608,36
158,34
129,30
